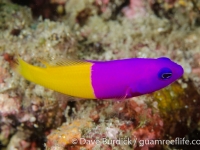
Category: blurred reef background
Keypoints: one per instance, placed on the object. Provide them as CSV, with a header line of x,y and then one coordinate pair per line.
x,y
35,118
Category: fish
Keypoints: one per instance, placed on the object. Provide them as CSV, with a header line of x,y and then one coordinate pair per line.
x,y
114,79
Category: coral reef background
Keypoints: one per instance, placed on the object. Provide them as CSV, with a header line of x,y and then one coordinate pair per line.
x,y
35,118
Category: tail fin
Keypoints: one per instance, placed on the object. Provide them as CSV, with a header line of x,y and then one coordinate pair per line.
x,y
25,69
18,66
14,64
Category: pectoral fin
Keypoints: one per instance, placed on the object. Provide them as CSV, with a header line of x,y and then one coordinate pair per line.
x,y
126,95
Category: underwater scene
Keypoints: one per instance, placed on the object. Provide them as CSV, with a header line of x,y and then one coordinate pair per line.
x,y
99,75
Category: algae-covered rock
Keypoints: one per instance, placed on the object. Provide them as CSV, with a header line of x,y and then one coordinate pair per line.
x,y
178,107
32,115
14,17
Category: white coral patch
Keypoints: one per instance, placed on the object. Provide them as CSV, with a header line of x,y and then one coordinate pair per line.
x,y
8,105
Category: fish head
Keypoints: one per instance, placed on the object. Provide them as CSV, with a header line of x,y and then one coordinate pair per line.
x,y
158,74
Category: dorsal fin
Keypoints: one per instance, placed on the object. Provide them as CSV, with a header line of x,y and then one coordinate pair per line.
x,y
63,62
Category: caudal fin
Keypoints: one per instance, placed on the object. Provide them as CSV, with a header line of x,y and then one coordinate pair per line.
x,y
25,69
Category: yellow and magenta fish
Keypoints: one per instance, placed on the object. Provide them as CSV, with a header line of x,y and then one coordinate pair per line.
x,y
118,79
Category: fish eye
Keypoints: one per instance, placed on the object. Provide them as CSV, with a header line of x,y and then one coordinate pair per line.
x,y
165,73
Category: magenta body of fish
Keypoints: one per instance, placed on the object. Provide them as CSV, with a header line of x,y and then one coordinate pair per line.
x,y
132,77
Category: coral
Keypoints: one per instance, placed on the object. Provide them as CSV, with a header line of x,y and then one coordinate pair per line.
x,y
50,9
177,107
19,17
19,141
133,121
147,123
135,9
177,11
97,30
9,105
67,135
103,4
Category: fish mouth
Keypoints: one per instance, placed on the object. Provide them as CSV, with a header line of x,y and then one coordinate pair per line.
x,y
180,70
